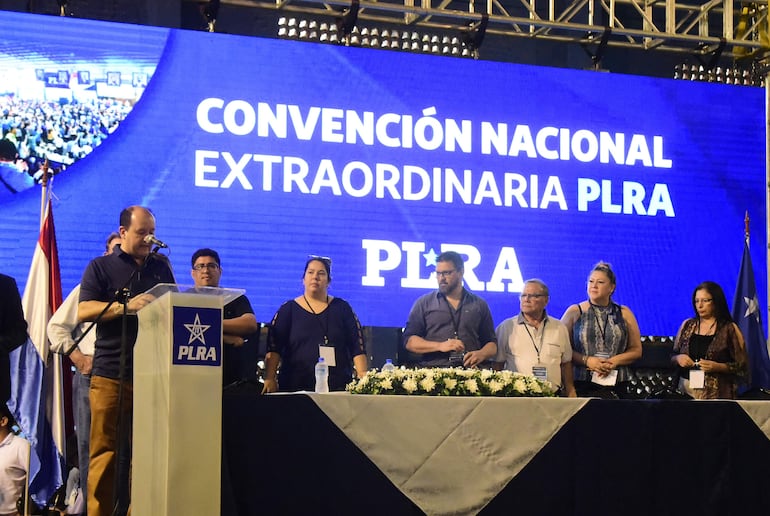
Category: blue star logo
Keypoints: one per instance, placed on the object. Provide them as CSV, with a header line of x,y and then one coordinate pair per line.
x,y
430,258
752,307
197,330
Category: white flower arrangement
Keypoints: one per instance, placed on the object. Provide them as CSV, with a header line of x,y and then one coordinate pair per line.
x,y
451,382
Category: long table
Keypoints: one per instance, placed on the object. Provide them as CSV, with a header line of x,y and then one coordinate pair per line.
x,y
341,454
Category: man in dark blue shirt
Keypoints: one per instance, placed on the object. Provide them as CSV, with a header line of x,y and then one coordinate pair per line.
x,y
451,326
239,323
132,268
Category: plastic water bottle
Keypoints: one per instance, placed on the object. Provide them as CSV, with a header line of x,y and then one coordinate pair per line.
x,y
321,376
388,367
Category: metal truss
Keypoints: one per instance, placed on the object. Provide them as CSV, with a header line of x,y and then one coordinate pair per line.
x,y
729,28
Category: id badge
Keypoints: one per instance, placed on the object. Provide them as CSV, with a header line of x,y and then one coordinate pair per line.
x,y
697,379
327,352
540,372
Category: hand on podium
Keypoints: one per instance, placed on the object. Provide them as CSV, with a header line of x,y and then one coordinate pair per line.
x,y
137,303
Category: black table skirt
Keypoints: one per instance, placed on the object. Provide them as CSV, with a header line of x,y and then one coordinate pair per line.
x,y
283,455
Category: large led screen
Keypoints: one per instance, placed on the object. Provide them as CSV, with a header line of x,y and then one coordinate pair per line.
x,y
271,150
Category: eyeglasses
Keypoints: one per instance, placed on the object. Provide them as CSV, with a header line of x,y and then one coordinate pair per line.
x,y
531,296
210,266
703,301
324,259
444,274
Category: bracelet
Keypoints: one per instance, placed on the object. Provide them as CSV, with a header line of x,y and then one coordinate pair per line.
x,y
585,360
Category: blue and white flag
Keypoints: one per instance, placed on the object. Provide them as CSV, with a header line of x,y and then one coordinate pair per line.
x,y
36,375
747,316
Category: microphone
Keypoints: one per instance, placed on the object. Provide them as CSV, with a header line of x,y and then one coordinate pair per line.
x,y
151,239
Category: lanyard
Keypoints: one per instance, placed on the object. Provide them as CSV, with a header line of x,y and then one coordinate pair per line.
x,y
531,338
602,329
324,329
456,323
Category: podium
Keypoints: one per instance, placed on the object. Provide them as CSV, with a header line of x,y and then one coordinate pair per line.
x,y
177,430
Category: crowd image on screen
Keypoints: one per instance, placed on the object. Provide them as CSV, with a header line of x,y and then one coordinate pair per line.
x,y
63,131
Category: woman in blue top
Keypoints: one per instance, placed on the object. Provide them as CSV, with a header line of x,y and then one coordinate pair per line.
x,y
312,325
605,337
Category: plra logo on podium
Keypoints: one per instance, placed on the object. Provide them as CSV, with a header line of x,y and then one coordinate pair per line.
x,y
197,336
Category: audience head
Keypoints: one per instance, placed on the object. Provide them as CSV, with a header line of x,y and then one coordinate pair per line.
x,y
325,262
8,151
452,257
708,299
6,420
601,283
318,275
449,272
206,268
136,222
113,240
534,297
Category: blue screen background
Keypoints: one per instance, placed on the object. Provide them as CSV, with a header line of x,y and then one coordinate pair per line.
x,y
713,134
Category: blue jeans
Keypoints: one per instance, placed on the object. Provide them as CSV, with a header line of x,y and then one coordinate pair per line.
x,y
82,412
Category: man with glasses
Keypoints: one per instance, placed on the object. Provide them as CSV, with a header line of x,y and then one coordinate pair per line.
x,y
451,327
238,322
534,344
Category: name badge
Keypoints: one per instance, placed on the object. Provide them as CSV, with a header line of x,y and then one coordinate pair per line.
x,y
327,352
540,372
697,379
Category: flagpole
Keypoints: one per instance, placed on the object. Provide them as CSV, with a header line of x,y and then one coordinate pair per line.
x,y
43,194
746,229
767,184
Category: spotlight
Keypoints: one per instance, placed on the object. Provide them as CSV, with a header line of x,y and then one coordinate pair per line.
x,y
473,36
347,21
210,12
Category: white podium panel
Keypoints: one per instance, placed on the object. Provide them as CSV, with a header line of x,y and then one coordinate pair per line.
x,y
178,406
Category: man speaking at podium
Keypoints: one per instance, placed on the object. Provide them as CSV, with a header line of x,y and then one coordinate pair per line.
x,y
239,321
127,273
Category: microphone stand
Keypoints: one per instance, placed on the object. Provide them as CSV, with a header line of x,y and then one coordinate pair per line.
x,y
122,296
123,423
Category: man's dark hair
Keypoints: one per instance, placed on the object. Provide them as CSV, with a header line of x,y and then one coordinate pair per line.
x,y
205,252
5,412
8,150
455,258
112,236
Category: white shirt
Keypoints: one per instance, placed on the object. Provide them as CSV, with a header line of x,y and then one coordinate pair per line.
x,y
64,328
522,346
14,456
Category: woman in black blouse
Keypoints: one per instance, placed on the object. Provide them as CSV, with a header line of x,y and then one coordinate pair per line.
x,y
311,325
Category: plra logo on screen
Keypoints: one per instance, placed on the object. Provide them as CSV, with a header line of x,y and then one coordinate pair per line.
x,y
197,336
384,256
